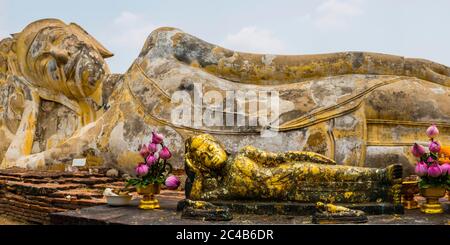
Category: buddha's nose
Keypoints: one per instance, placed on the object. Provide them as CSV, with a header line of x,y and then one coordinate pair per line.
x,y
61,56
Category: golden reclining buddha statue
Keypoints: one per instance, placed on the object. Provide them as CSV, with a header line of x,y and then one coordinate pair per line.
x,y
253,174
59,101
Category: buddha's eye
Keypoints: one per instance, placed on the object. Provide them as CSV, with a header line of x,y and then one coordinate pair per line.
x,y
52,38
52,70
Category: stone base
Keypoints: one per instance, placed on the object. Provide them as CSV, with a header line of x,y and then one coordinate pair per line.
x,y
293,208
207,214
167,215
319,218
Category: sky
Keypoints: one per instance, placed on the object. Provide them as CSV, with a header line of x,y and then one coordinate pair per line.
x,y
411,28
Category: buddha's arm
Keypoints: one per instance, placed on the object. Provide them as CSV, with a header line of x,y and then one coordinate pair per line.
x,y
274,159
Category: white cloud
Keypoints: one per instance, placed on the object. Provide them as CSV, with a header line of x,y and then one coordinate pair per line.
x,y
125,37
331,15
254,39
130,30
127,18
337,14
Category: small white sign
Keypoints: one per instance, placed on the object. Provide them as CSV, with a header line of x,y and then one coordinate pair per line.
x,y
79,162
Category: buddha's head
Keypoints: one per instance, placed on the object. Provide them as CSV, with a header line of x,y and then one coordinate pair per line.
x,y
60,57
205,153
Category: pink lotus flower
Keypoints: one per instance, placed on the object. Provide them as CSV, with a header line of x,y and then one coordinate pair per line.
x,y
157,138
445,168
434,146
151,159
421,169
434,170
141,169
172,182
432,131
417,150
430,160
165,153
153,147
144,151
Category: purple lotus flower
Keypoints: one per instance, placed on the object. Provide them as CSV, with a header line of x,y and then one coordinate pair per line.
x,y
432,131
434,170
165,153
144,151
445,168
417,150
435,146
421,169
157,138
151,159
172,182
153,147
141,169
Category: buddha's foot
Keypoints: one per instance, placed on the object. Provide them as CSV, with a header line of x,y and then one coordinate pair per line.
x,y
394,172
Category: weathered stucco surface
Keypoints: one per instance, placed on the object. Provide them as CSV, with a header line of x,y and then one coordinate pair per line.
x,y
59,101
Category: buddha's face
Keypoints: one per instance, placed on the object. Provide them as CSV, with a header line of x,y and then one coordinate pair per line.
x,y
205,149
59,60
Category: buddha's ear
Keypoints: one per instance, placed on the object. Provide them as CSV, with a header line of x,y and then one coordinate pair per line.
x,y
8,58
90,39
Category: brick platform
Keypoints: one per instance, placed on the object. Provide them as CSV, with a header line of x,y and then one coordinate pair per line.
x,y
29,196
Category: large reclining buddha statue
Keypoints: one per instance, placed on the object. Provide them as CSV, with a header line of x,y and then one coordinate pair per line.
x,y
60,102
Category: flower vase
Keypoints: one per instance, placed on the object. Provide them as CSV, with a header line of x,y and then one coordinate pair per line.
x,y
148,200
432,195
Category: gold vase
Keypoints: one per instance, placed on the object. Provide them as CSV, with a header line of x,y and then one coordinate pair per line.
x,y
409,189
432,194
148,200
